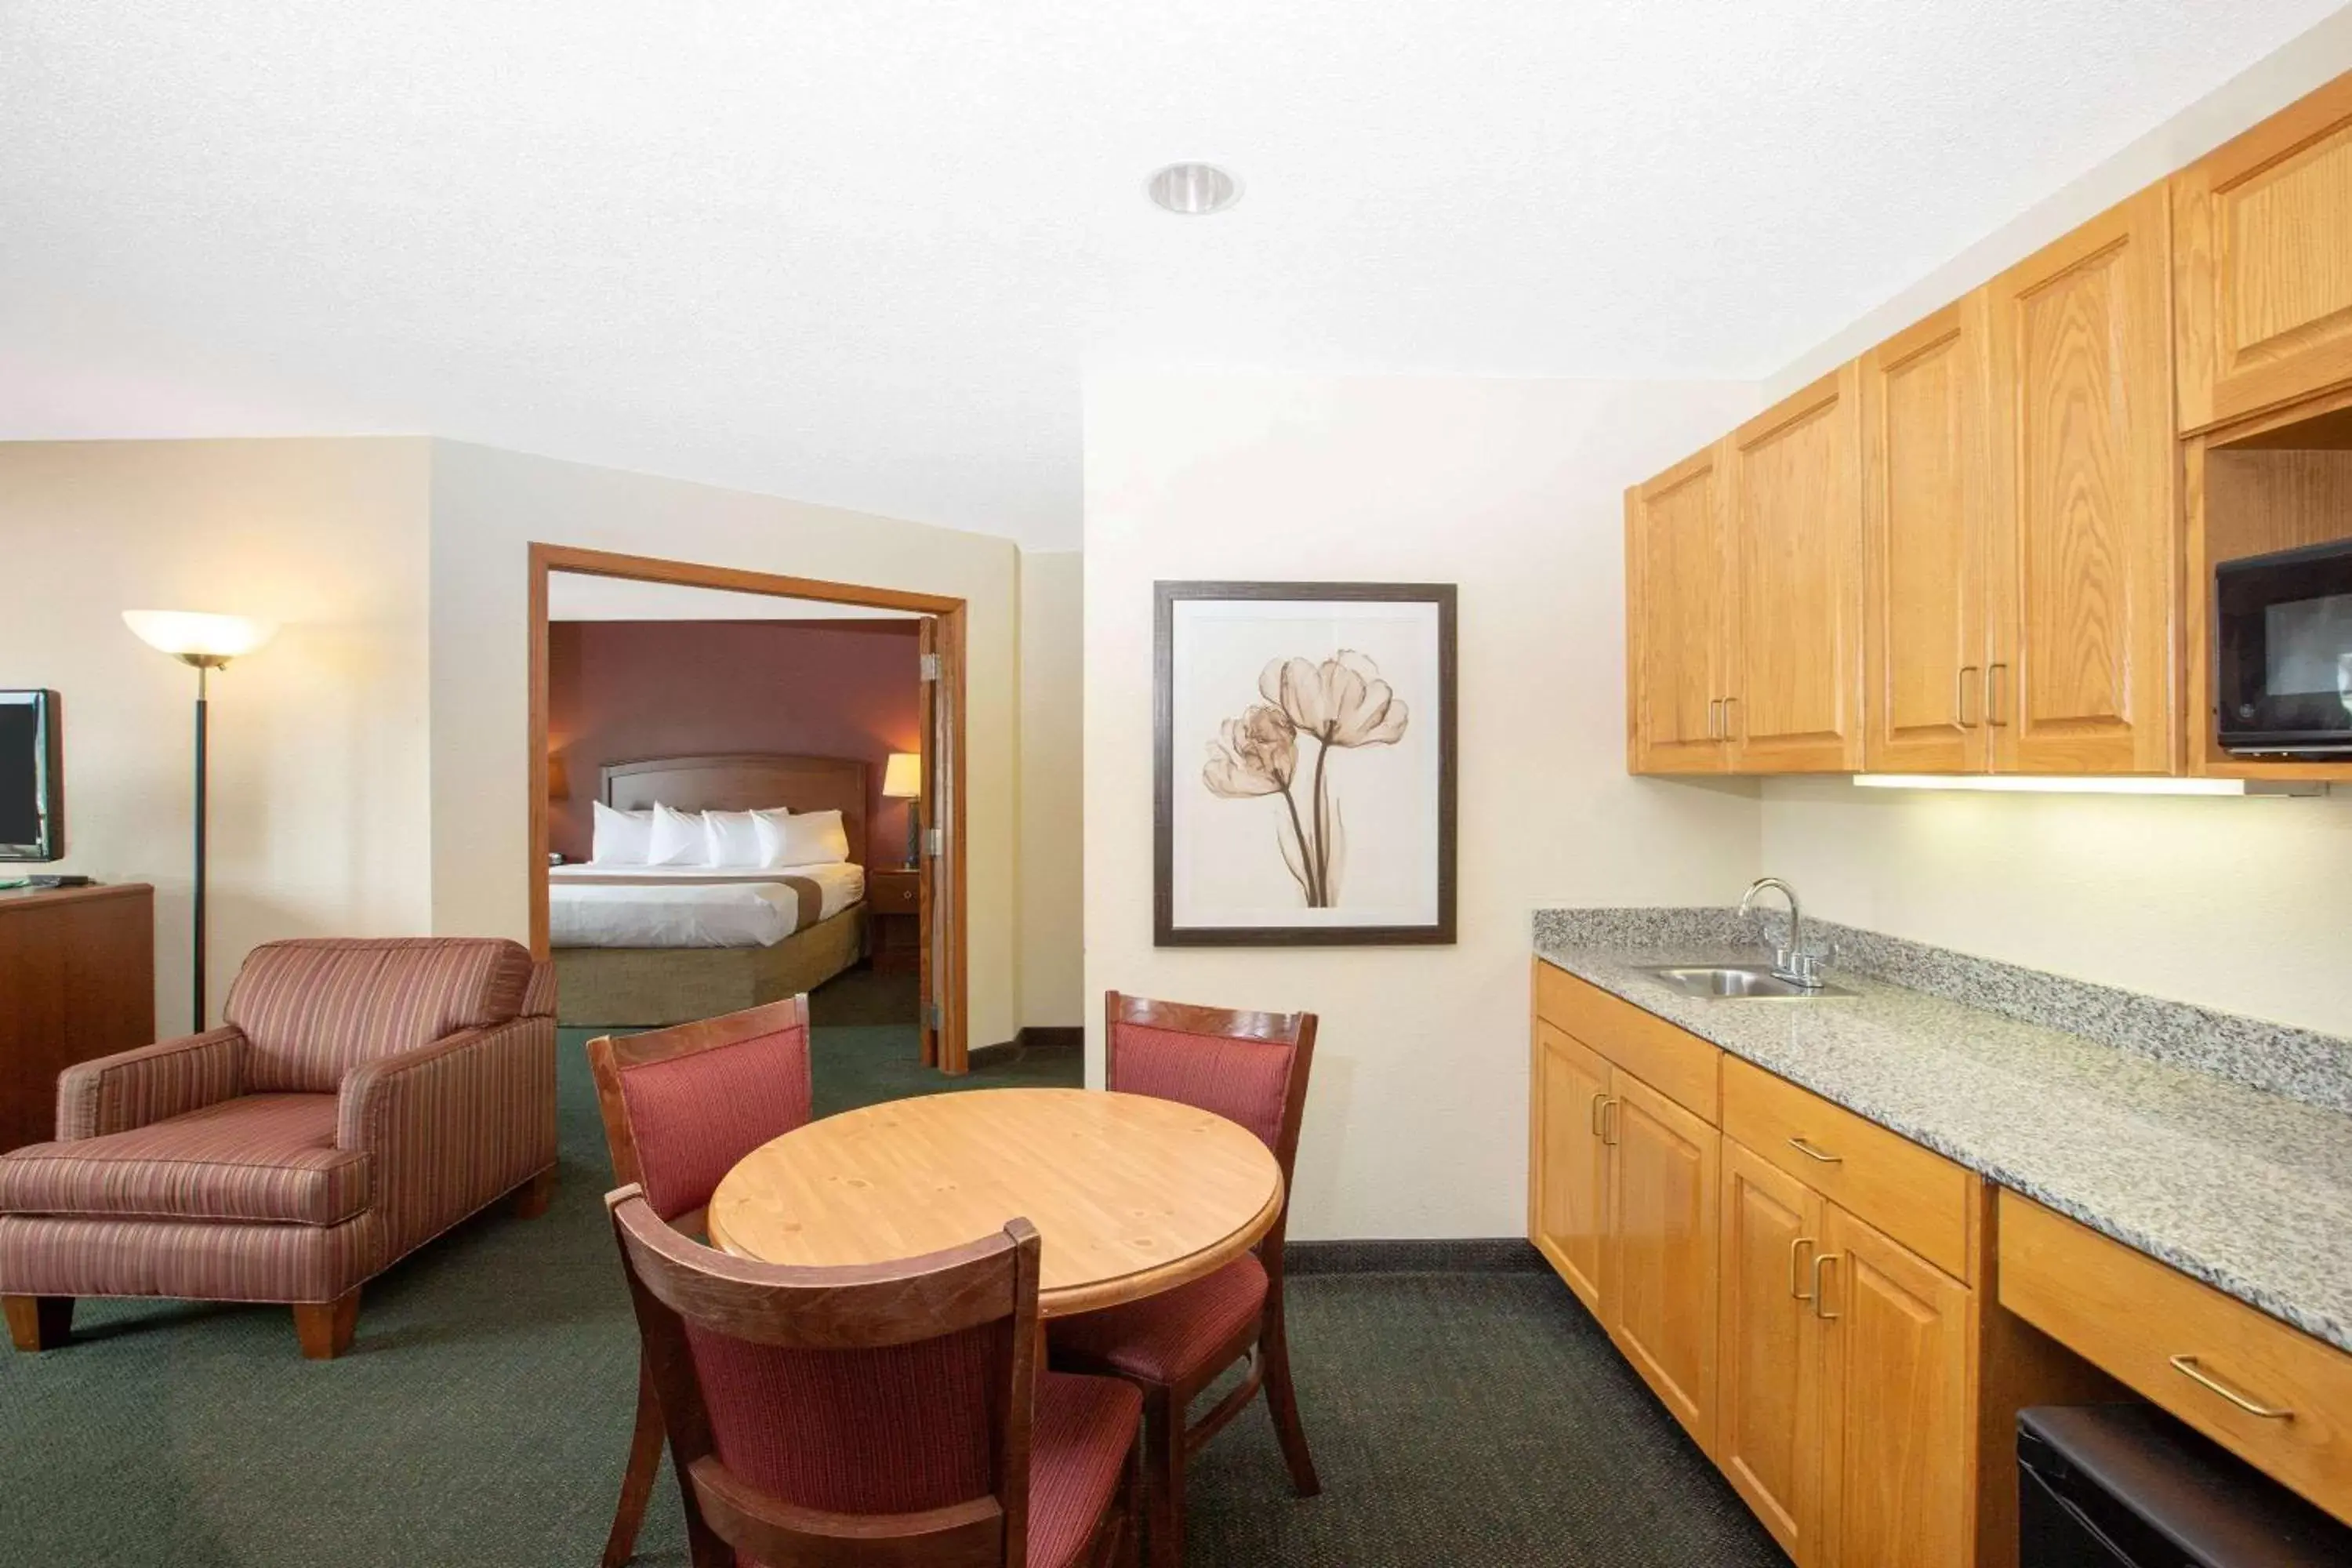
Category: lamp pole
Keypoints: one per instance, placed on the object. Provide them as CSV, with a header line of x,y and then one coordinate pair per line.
x,y
205,664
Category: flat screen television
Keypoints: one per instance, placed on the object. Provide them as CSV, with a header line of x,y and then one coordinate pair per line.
x,y
32,787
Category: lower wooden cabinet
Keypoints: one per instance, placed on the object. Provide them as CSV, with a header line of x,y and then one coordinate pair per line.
x,y
1768,1363
1569,1205
1897,1409
1658,1286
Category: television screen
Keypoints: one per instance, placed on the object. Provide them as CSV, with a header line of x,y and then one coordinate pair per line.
x,y
32,823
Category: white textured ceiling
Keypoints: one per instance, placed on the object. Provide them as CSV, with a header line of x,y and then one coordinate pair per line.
x,y
860,251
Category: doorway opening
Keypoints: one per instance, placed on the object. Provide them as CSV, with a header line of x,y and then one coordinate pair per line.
x,y
859,902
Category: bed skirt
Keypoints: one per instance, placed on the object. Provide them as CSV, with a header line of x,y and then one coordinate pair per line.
x,y
616,987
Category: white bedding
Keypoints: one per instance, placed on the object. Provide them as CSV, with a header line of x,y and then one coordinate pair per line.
x,y
674,906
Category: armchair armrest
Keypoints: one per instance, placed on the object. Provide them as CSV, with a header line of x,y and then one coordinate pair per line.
x,y
452,1125
133,1088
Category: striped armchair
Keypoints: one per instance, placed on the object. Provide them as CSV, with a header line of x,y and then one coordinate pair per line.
x,y
361,1097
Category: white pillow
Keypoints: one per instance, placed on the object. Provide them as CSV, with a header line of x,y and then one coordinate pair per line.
x,y
621,836
731,839
678,839
803,838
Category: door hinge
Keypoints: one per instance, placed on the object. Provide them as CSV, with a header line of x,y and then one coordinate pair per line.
x,y
930,666
935,842
934,1018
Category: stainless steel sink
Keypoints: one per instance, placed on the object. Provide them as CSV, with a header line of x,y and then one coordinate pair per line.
x,y
1739,981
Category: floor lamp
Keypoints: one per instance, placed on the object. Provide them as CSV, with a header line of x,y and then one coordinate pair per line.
x,y
207,642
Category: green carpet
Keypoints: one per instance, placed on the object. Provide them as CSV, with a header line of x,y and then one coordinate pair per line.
x,y
480,1418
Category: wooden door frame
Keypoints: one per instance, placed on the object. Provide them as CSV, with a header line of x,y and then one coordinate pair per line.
x,y
954,1039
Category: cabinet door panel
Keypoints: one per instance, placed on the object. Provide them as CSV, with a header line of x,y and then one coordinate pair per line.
x,y
1797,559
1767,1373
1571,1217
1676,563
1925,489
2263,234
1659,1302
1896,1433
2085,572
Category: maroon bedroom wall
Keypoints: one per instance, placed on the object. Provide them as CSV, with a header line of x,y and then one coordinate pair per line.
x,y
621,690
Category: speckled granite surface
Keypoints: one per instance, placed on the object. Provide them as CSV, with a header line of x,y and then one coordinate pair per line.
x,y
2247,1190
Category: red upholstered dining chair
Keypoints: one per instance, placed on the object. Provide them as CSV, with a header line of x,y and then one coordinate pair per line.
x,y
681,1105
879,1414
1249,1067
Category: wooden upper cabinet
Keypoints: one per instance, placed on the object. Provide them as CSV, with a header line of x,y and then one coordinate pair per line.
x,y
1676,572
2081,678
1926,491
2262,249
1658,1298
1896,1408
1794,704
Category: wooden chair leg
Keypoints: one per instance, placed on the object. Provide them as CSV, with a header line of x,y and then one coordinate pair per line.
x,y
532,1198
38,1322
1163,1431
637,1480
1131,1535
1282,1402
324,1328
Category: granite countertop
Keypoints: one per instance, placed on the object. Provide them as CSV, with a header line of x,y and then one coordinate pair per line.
x,y
2248,1191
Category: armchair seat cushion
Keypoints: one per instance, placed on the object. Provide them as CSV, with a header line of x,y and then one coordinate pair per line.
x,y
1169,1338
1077,1455
259,1157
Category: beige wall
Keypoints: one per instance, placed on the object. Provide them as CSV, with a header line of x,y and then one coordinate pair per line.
x,y
487,506
1052,771
1512,490
319,822
2241,904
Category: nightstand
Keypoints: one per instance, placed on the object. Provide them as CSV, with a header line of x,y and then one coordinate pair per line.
x,y
893,906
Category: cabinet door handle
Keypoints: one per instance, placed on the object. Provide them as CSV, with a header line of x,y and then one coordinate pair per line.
x,y
1728,704
1715,718
1607,1105
1593,1119
1993,696
1810,1153
1960,696
2187,1366
1796,1270
1820,1298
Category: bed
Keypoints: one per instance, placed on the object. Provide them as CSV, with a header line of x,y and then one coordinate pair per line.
x,y
647,946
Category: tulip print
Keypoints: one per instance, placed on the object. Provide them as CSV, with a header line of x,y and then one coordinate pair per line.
x,y
1341,704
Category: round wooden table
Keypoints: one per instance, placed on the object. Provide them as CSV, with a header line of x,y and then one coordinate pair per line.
x,y
1131,1195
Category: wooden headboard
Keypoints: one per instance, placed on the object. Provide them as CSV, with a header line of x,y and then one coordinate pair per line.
x,y
745,781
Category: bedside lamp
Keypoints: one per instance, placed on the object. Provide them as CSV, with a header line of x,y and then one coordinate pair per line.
x,y
208,643
902,779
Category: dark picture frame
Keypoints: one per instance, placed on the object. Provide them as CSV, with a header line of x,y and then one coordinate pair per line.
x,y
1166,933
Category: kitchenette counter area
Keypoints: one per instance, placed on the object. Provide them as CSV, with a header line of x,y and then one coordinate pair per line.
x,y
2242,1187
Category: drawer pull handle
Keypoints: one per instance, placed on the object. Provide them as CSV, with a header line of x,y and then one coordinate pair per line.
x,y
2187,1366
1810,1153
1821,1297
1796,1270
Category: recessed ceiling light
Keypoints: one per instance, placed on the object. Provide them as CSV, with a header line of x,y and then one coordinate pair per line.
x,y
1193,189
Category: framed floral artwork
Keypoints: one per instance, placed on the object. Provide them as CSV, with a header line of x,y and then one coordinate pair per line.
x,y
1305,763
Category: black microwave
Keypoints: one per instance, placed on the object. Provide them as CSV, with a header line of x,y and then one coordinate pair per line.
x,y
2283,652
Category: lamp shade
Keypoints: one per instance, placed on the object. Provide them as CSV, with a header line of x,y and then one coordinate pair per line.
x,y
902,778
193,636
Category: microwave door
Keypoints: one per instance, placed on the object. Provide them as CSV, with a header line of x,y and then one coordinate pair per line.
x,y
2284,652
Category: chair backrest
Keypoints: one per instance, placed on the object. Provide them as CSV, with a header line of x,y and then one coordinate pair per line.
x,y
311,1010
1249,1067
682,1105
878,1413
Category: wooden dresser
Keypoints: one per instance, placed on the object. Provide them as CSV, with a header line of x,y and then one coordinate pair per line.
x,y
76,981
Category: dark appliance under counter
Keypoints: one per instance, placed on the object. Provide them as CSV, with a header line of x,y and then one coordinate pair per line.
x,y
2126,1486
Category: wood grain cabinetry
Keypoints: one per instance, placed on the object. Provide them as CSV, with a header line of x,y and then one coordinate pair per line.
x,y
1927,524
76,981
2083,608
2262,256
1793,698
1568,1198
1768,1361
1678,573
1658,1288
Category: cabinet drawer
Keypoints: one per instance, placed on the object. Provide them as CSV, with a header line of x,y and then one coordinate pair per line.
x,y
2187,1346
894,893
1674,1062
1916,1196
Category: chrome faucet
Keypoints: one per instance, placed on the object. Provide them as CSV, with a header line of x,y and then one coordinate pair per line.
x,y
1793,963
